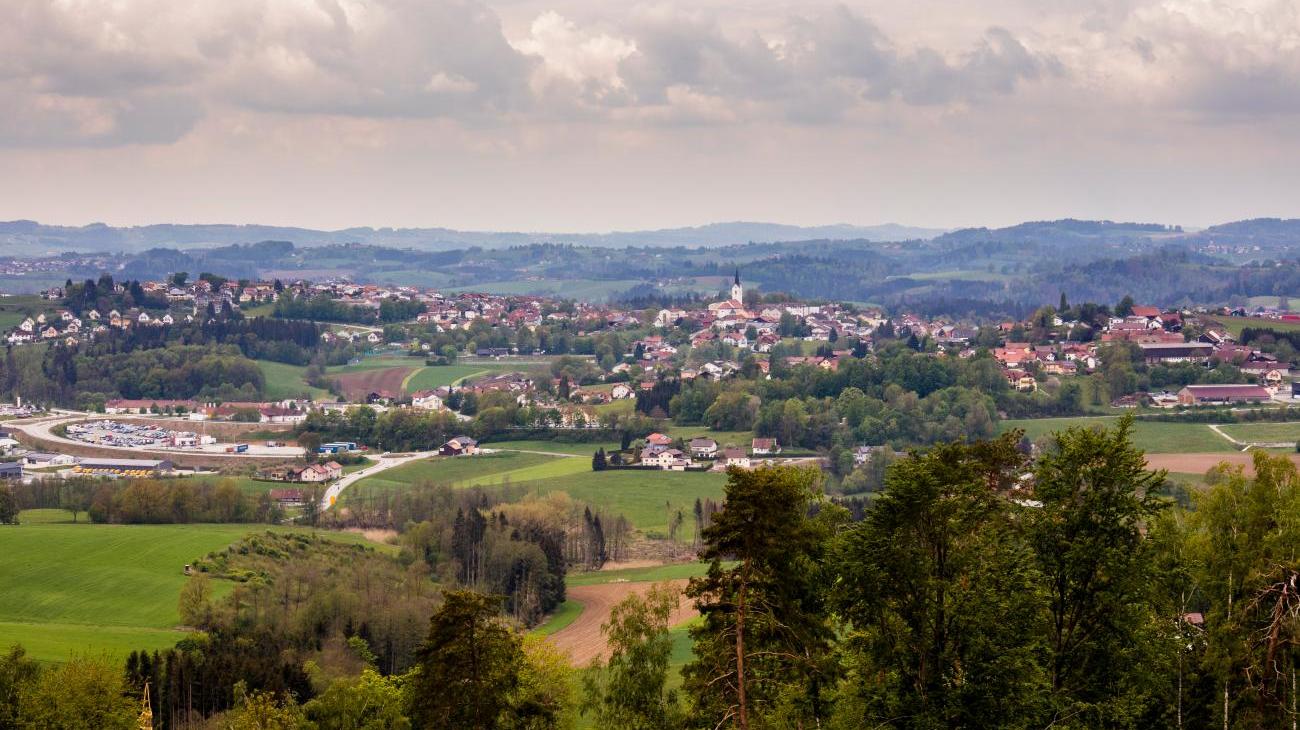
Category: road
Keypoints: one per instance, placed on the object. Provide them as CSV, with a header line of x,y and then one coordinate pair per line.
x,y
383,462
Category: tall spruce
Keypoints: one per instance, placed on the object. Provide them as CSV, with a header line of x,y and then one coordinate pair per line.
x,y
469,666
761,650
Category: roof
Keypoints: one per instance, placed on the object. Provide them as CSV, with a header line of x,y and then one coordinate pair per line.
x,y
1158,346
1227,391
124,463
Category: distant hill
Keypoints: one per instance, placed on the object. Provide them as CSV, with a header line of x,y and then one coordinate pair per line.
x,y
29,237
1061,232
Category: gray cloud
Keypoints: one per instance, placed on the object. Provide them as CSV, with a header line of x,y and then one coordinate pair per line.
x,y
147,71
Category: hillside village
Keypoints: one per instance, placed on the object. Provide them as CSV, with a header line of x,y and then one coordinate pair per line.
x,y
740,336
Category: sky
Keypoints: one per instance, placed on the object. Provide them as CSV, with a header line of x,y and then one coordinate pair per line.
x,y
598,115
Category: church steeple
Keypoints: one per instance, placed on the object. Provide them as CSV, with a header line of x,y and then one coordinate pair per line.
x,y
737,293
737,276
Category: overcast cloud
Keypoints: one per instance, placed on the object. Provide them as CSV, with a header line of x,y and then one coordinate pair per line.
x,y
588,115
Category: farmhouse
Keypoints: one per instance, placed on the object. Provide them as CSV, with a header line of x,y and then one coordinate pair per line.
x,y
658,439
426,399
765,446
704,448
1157,352
289,497
735,456
1199,395
315,472
672,459
459,446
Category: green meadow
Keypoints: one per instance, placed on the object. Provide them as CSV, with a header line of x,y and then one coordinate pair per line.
x,y
436,376
1150,436
81,588
648,499
286,381
1264,432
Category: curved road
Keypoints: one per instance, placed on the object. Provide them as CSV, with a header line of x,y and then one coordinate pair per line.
x,y
383,462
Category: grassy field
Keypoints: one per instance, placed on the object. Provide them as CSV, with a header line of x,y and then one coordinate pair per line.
x,y
374,363
14,309
555,447
286,381
99,588
1236,324
1264,432
1150,436
435,376
646,498
724,438
563,616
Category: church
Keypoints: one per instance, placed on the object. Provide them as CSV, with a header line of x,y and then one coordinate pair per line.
x,y
733,306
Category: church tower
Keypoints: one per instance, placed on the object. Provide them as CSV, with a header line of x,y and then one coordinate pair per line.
x,y
737,293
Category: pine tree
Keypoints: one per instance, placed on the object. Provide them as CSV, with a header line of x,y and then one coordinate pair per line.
x,y
762,645
469,666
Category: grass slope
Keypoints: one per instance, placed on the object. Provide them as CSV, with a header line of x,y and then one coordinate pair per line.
x,y
99,588
286,381
436,376
647,498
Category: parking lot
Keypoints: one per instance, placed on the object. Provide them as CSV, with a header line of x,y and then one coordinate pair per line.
x,y
131,435
122,434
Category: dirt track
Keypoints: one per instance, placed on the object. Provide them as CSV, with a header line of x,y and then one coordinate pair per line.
x,y
582,638
1200,463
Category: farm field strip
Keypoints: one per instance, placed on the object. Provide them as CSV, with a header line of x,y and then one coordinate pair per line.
x,y
1153,437
1261,432
357,384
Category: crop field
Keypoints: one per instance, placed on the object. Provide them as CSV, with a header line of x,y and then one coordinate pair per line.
x,y
286,381
1263,432
100,588
648,499
1150,436
356,384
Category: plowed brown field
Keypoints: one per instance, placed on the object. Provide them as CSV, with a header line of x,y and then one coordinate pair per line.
x,y
582,638
1200,463
380,380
